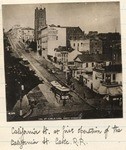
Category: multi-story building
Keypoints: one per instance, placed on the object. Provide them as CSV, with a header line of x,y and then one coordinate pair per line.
x,y
61,55
27,34
51,37
82,45
107,80
73,33
17,32
92,34
109,40
84,64
96,46
40,20
89,46
116,54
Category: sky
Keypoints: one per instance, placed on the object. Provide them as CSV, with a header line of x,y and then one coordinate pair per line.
x,y
102,17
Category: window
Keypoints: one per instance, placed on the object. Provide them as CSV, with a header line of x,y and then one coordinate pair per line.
x,y
56,37
103,76
114,77
58,55
74,44
92,64
108,78
86,64
78,46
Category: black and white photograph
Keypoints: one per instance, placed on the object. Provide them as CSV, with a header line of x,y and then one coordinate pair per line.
x,y
63,61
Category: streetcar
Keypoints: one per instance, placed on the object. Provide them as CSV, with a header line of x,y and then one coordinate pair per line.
x,y
61,92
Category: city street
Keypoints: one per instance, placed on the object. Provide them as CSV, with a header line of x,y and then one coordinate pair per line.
x,y
36,62
77,103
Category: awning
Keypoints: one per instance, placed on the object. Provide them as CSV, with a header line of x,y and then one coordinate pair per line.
x,y
115,91
85,76
102,90
88,69
112,91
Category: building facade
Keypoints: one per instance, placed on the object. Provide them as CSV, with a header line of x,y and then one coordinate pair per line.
x,y
61,55
27,34
96,46
81,45
84,67
17,32
109,40
89,46
73,33
52,37
106,78
40,20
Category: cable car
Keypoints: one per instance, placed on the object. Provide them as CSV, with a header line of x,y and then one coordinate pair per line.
x,y
61,92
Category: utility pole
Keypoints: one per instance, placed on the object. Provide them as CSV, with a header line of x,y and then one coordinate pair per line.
x,y
21,96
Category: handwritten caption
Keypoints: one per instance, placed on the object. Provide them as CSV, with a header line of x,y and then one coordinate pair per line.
x,y
65,135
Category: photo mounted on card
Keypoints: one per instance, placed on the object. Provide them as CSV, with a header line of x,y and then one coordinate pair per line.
x,y
62,61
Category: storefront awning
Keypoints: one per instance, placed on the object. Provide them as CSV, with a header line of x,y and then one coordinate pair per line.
x,y
115,91
102,90
112,91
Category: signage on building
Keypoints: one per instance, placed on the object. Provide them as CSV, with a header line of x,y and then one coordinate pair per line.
x,y
53,31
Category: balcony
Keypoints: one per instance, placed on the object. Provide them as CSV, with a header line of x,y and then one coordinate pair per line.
x,y
110,84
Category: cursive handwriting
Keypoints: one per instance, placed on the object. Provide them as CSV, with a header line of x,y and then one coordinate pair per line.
x,y
82,131
67,130
65,135
23,131
21,142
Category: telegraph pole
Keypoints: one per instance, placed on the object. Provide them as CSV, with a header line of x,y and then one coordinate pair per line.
x,y
21,96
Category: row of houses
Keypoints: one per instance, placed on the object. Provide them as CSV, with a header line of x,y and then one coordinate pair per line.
x,y
85,57
53,39
22,33
98,73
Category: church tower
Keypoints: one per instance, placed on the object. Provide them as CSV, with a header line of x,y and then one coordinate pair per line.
x,y
40,20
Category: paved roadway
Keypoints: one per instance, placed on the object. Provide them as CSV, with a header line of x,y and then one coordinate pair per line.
x,y
75,102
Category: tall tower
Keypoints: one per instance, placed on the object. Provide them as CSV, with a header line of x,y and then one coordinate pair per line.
x,y
40,20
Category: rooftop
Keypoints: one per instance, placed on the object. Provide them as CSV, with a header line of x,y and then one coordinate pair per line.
x,y
92,58
111,68
27,28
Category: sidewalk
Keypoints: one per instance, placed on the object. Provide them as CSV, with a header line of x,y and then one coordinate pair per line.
x,y
25,106
41,95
